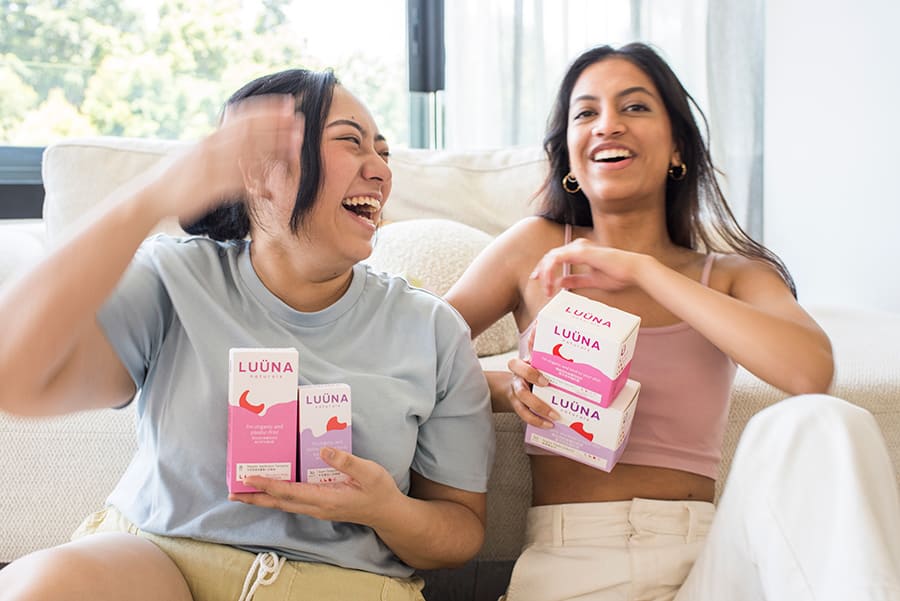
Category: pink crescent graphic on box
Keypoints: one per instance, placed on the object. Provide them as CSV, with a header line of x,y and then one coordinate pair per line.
x,y
261,409
243,402
579,427
335,424
558,353
332,425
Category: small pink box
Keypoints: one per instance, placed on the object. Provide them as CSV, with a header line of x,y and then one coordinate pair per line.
x,y
586,432
262,415
325,421
584,346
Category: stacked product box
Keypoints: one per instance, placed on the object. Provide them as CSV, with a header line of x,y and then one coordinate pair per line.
x,y
584,349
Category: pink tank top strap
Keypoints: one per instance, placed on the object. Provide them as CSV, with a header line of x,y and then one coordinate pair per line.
x,y
567,269
707,269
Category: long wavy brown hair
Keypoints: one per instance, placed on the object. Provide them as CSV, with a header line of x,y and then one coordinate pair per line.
x,y
697,214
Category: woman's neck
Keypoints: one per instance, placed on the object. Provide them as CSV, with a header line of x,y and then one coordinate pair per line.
x,y
639,230
298,276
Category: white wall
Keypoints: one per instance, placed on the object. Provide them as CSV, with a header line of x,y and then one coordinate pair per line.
x,y
832,148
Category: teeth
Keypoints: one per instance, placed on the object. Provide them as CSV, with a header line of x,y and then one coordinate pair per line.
x,y
357,201
364,207
611,153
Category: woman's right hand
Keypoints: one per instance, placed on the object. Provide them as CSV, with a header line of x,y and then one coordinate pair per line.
x,y
522,400
257,135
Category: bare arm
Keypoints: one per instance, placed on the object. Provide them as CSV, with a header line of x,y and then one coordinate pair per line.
x,y
757,322
492,285
439,526
502,267
482,310
54,358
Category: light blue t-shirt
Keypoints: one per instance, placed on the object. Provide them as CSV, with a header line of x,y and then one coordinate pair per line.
x,y
420,400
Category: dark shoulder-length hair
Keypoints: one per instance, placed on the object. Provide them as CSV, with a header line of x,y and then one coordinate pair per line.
x,y
314,91
697,214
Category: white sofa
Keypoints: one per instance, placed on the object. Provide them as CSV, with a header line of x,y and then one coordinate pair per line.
x,y
444,208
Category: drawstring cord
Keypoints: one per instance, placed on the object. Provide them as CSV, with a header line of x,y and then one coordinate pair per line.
x,y
266,568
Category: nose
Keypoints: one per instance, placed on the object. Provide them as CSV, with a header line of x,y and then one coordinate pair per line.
x,y
376,169
608,123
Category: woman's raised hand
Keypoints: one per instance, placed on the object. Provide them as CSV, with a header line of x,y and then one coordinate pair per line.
x,y
257,135
602,267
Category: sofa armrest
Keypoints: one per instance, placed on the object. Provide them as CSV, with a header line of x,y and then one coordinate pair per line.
x,y
22,243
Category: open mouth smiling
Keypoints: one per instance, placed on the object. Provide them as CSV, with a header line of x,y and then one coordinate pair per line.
x,y
364,207
611,155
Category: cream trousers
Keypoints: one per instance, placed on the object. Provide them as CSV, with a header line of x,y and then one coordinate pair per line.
x,y
810,512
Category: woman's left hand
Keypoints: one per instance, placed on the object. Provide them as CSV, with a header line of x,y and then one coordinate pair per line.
x,y
361,499
606,268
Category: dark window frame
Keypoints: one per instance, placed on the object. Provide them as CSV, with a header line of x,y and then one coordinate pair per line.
x,y
21,183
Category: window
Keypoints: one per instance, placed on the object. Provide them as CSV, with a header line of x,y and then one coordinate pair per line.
x,y
162,68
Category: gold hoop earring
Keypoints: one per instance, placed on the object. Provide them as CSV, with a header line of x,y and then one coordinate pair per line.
x,y
567,181
677,172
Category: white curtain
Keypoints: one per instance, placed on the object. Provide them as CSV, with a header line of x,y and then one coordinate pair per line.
x,y
505,59
735,64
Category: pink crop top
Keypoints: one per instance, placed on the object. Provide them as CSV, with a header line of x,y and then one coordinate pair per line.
x,y
683,404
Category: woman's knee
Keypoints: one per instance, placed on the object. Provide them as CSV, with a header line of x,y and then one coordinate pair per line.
x,y
805,407
103,566
46,574
811,413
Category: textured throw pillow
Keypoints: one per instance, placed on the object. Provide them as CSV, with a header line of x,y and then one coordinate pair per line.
x,y
432,254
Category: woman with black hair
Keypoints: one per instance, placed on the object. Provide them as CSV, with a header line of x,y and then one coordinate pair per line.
x,y
632,216
288,192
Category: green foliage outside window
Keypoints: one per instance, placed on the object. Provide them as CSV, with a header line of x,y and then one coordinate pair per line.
x,y
157,68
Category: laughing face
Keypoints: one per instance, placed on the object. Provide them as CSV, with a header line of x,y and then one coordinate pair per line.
x,y
619,135
356,180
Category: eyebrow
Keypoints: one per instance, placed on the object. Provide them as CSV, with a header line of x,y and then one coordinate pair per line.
x,y
625,92
355,125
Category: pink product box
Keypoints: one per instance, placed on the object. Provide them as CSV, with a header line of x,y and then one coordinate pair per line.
x,y
262,415
325,421
585,432
585,346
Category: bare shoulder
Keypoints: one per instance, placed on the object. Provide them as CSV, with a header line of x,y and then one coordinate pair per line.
x,y
518,249
534,225
741,276
532,236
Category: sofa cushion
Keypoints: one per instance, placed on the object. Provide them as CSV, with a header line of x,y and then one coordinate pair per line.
x,y
432,254
80,173
489,189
